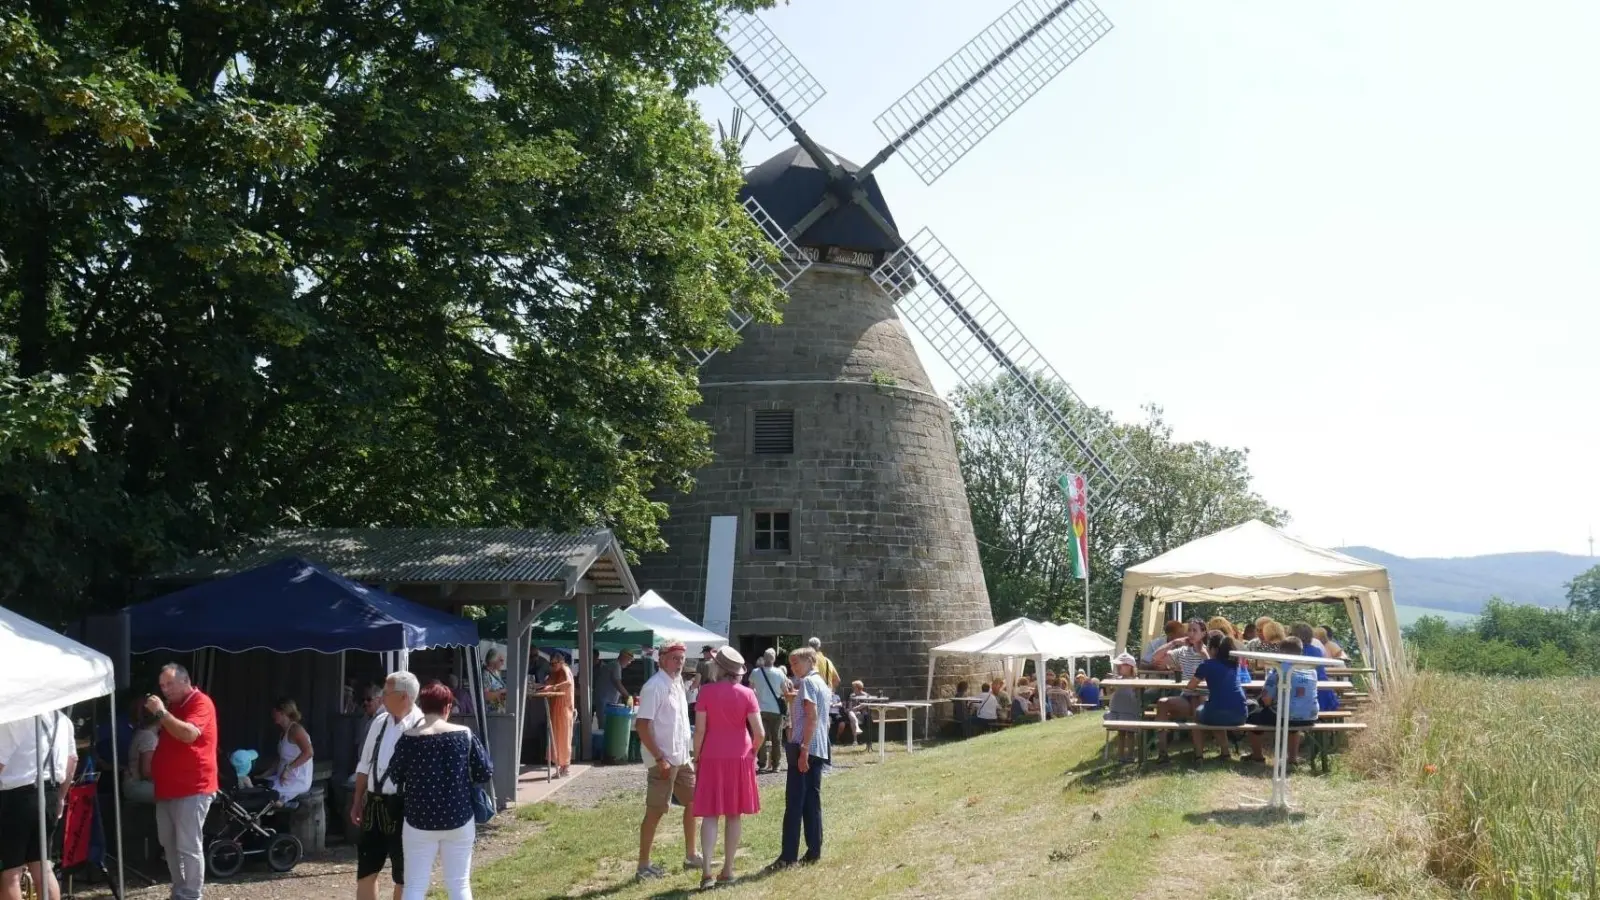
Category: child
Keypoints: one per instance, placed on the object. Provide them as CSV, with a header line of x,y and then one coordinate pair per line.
x,y
1125,707
1302,703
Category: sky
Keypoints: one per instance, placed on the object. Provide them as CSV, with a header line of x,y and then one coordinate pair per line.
x,y
1361,240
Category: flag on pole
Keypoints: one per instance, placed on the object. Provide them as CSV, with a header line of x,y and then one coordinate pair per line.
x,y
1076,489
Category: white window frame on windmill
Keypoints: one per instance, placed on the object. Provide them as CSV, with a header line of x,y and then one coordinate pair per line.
x,y
771,532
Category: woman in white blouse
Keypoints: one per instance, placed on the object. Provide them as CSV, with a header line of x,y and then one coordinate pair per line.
x,y
136,784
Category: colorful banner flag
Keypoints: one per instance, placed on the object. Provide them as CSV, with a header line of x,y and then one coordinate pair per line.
x,y
1076,489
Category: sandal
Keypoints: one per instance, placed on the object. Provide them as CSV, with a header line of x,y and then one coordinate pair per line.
x,y
707,882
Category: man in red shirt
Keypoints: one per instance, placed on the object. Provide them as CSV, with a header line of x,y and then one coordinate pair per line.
x,y
184,772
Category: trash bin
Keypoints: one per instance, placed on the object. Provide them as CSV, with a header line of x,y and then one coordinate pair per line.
x,y
619,725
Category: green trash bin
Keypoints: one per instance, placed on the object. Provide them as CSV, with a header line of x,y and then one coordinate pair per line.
x,y
619,725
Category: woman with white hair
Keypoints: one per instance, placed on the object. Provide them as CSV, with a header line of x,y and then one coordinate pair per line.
x,y
494,683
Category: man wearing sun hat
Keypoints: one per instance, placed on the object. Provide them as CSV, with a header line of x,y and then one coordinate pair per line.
x,y
663,726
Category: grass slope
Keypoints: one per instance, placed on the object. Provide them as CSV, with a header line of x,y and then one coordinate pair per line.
x,y
1025,813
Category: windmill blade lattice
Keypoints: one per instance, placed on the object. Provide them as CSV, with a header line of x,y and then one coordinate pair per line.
x,y
791,264
935,293
958,104
765,78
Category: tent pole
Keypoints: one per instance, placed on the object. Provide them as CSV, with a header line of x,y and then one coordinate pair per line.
x,y
1040,693
38,786
116,789
930,677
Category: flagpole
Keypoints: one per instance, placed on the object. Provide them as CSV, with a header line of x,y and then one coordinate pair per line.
x,y
1086,577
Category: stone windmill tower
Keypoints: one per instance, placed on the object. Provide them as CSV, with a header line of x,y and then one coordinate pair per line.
x,y
835,506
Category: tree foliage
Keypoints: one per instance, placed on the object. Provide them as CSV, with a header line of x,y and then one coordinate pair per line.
x,y
363,263
1583,592
1511,640
1011,456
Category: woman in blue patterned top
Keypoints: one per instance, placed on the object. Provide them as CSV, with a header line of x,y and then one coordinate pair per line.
x,y
437,765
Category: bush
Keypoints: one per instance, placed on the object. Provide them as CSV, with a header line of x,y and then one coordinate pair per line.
x,y
1509,640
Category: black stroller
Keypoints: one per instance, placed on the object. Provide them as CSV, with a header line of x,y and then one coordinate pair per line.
x,y
247,829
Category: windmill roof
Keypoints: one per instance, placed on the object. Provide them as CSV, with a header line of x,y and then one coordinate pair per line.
x,y
790,184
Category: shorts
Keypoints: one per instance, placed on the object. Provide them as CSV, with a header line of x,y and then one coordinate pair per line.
x,y
1217,718
1268,719
661,789
374,848
19,824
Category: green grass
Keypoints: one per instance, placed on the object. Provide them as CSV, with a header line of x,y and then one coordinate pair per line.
x,y
1504,776
1019,814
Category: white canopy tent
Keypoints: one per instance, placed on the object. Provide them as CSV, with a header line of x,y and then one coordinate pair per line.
x,y
1256,563
1081,643
42,671
1023,638
657,615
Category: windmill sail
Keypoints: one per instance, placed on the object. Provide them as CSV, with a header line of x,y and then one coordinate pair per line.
x,y
765,78
790,264
953,313
958,104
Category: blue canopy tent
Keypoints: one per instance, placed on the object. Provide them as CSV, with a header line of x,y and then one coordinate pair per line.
x,y
293,605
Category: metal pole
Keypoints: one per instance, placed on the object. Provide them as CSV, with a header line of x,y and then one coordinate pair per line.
x,y
116,790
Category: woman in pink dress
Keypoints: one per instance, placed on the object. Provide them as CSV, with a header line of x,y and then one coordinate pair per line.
x,y
727,729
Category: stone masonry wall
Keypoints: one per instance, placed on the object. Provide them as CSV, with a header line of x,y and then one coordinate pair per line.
x,y
884,563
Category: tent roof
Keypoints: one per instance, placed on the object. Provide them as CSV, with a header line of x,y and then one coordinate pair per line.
x,y
41,670
1021,637
438,556
1084,641
669,625
291,605
1253,562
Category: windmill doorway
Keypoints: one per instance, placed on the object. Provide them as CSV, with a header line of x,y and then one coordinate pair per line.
x,y
751,646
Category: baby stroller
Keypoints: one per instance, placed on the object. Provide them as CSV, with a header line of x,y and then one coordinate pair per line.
x,y
246,829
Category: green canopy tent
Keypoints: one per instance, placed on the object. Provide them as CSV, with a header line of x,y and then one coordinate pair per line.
x,y
558,628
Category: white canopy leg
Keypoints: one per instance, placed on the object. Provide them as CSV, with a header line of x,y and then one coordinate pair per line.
x,y
930,677
1125,617
1041,693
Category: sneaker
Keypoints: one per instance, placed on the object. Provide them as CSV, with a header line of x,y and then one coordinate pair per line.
x,y
649,872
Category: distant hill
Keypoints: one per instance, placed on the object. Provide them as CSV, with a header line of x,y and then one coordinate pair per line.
x,y
1463,584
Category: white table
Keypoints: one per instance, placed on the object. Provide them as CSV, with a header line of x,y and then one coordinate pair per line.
x,y
1280,737
908,709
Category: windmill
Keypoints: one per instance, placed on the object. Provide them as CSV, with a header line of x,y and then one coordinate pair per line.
x,y
834,504
932,126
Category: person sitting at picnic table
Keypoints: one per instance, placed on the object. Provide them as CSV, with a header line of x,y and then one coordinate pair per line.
x,y
1224,706
1330,649
1185,654
1219,623
1088,691
1001,698
1125,707
494,683
1268,635
988,714
1302,704
1173,631
1327,701
1059,696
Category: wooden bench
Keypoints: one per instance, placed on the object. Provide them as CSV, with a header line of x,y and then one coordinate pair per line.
x,y
1317,732
1327,715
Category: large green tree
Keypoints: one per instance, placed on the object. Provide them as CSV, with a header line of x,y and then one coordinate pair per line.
x,y
1011,456
364,263
1583,592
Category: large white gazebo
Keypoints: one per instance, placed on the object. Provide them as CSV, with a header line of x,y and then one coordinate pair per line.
x,y
1256,563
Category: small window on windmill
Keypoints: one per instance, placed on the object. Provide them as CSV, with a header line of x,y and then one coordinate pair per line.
x,y
771,533
772,432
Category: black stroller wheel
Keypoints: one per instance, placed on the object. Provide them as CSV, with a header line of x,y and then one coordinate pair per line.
x,y
283,852
224,858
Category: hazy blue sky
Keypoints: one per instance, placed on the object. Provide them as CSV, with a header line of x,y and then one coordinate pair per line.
x,y
1360,239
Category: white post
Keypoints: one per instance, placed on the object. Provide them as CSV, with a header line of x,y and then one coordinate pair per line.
x,y
1042,692
38,786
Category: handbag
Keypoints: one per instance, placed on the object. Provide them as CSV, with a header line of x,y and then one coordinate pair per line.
x,y
783,706
482,804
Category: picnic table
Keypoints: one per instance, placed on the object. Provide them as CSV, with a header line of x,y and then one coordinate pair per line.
x,y
907,710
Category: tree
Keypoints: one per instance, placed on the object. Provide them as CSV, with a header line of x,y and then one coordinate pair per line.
x,y
1011,456
48,415
1583,592
364,263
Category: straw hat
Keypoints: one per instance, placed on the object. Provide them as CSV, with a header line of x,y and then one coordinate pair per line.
x,y
729,660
